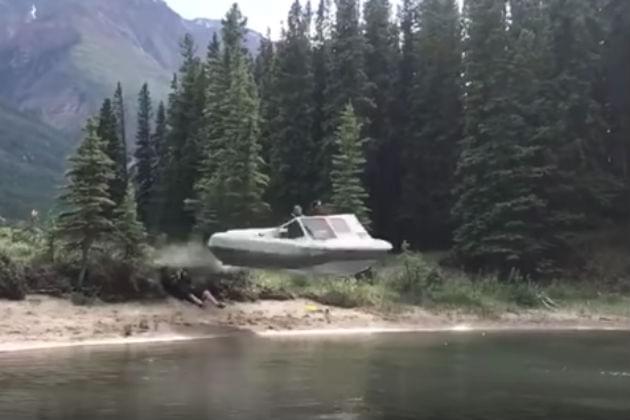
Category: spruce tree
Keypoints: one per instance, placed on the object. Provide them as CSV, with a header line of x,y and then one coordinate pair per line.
x,y
349,195
232,184
159,135
322,80
484,193
86,198
402,117
578,45
264,74
349,81
130,232
383,157
158,140
121,120
293,170
145,155
617,60
508,173
108,132
212,146
182,166
431,142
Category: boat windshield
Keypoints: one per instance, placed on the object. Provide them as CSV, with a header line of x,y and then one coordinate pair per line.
x,y
340,226
318,228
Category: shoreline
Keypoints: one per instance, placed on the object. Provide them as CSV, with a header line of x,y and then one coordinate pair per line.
x,y
45,323
21,347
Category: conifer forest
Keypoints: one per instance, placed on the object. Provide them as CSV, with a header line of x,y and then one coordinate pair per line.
x,y
498,130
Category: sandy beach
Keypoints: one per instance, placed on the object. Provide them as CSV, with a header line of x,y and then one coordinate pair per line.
x,y
44,322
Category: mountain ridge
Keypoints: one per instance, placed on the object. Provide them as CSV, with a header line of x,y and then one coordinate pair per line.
x,y
59,58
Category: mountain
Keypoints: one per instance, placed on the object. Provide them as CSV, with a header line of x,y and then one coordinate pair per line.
x,y
32,158
60,58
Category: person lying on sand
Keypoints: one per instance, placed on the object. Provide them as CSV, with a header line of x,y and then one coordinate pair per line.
x,y
180,286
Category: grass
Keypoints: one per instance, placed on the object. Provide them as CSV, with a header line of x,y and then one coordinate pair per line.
x,y
345,292
412,279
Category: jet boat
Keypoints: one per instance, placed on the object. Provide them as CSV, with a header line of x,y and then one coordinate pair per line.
x,y
332,244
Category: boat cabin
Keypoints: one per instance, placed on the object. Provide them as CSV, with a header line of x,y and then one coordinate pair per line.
x,y
322,228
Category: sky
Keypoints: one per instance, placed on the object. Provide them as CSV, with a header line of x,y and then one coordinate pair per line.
x,y
261,14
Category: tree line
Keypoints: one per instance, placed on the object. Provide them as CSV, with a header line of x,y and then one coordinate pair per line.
x,y
499,131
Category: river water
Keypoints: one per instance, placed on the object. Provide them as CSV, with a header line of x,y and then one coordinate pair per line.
x,y
467,376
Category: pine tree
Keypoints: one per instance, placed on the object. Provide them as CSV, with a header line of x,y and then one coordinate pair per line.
x,y
431,144
383,157
349,195
293,173
108,132
145,156
121,119
87,198
232,185
130,232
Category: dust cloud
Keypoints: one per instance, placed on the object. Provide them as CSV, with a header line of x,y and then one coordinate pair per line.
x,y
192,255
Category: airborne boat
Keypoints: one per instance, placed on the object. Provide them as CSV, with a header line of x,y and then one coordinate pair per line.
x,y
332,244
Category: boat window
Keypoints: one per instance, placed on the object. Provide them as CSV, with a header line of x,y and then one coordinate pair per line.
x,y
319,228
340,226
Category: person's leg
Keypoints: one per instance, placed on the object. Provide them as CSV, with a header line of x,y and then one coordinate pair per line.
x,y
208,296
195,300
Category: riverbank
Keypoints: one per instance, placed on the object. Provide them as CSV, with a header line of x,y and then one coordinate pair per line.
x,y
44,322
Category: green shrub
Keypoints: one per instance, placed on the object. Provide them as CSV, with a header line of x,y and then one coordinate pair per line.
x,y
524,294
12,284
413,277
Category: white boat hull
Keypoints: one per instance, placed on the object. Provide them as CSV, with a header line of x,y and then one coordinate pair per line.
x,y
263,249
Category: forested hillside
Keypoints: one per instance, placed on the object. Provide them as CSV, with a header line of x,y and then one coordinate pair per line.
x,y
500,131
30,170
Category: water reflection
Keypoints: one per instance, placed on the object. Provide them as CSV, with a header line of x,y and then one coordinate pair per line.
x,y
404,376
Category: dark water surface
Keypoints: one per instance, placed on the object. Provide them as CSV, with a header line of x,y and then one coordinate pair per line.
x,y
467,376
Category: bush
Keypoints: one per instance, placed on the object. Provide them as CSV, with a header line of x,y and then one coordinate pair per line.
x,y
47,279
12,284
413,277
20,244
114,280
